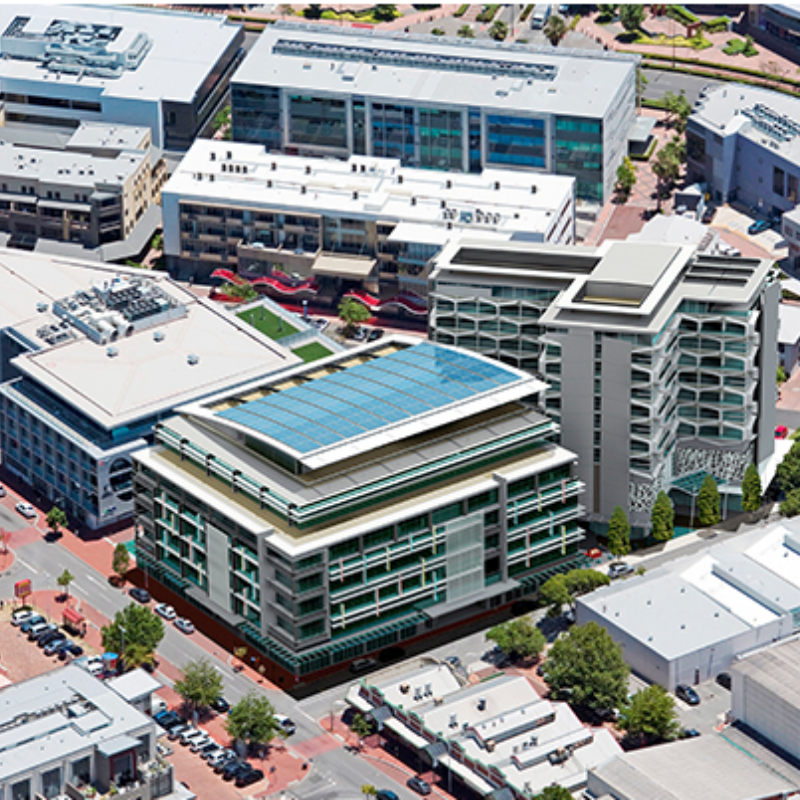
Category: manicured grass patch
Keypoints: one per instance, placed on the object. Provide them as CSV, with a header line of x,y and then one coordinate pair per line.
x,y
268,323
488,12
698,42
740,47
462,9
682,15
312,352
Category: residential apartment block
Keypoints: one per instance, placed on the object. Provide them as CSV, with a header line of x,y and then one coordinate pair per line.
x,y
93,190
358,502
91,358
458,105
659,361
125,65
365,223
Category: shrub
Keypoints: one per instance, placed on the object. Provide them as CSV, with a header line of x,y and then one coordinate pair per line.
x,y
488,13
717,25
438,32
526,12
462,9
680,14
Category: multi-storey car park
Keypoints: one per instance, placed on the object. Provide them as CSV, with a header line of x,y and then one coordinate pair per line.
x,y
458,105
133,66
659,362
364,501
364,223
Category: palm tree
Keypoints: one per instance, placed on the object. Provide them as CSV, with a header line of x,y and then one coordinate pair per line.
x,y
555,29
466,32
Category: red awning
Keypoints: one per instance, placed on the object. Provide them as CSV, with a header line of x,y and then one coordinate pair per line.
x,y
71,615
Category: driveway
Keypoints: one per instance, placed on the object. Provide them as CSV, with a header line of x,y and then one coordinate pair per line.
x,y
735,221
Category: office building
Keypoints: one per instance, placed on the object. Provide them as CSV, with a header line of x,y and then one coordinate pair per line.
x,y
497,738
366,223
66,731
359,502
686,621
96,189
709,767
660,362
92,357
744,142
159,68
460,105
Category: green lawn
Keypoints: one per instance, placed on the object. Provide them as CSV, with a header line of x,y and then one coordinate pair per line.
x,y
312,352
268,323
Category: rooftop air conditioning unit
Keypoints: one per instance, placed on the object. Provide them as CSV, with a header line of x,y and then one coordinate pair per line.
x,y
111,352
192,359
158,336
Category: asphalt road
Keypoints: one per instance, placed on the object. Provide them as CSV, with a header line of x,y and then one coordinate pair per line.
x,y
659,82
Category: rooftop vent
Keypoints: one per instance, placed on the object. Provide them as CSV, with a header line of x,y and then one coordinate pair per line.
x,y
213,156
158,336
497,186
354,168
302,190
230,154
308,169
413,201
111,352
399,178
41,307
481,704
192,359
355,195
448,184
534,189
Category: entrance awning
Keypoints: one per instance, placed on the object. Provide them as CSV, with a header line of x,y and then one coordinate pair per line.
x,y
642,129
71,615
342,266
118,745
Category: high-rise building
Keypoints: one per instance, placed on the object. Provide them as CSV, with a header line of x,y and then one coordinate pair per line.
x,y
351,505
458,105
660,362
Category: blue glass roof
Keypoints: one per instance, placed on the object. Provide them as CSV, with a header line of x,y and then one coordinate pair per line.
x,y
369,396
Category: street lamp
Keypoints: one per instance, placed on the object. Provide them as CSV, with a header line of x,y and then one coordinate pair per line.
x,y
122,645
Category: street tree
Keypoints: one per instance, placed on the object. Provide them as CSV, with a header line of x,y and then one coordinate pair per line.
x,y
361,727
554,792
121,561
518,637
708,503
385,12
662,518
631,17
619,531
555,29
200,684
607,13
252,721
626,178
667,168
555,595
499,30
788,472
313,11
790,505
751,489
135,633
583,581
368,790
56,519
466,32
780,375
241,654
587,664
352,314
650,715
64,580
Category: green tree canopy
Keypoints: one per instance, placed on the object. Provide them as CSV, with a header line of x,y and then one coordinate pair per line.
x,y
583,581
361,726
555,29
352,313
252,721
751,489
708,503
788,472
386,12
555,595
64,580
56,519
666,167
499,30
631,17
626,177
790,506
619,531
588,663
651,714
466,32
242,291
554,792
200,683
518,637
121,560
135,633
662,518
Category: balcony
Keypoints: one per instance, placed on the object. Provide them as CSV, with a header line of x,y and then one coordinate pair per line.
x,y
155,779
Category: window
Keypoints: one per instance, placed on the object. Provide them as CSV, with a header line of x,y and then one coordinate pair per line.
x,y
442,515
777,180
791,188
81,771
51,782
21,790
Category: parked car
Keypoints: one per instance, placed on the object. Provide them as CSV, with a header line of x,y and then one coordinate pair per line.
x,y
36,619
386,794
168,720
221,705
178,731
46,638
26,509
40,630
360,334
163,610
70,648
163,750
53,646
759,226
3,491
246,777
689,733
781,432
687,694
619,570
211,749
724,680
320,323
190,734
220,758
453,661
287,725
199,744
375,334
225,764
708,214
229,771
140,595
184,625
418,785
19,617
363,665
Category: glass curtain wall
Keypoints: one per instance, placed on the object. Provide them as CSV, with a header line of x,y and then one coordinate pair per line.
x,y
515,140
440,134
256,115
320,121
579,152
393,131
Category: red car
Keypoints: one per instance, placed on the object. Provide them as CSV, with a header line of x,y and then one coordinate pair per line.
x,y
781,432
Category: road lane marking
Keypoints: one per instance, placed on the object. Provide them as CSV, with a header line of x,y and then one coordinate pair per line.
x,y
26,564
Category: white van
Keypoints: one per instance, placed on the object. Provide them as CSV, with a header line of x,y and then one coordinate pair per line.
x,y
539,16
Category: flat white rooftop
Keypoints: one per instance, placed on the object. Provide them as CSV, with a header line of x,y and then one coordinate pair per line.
x,y
497,76
503,201
184,48
145,376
